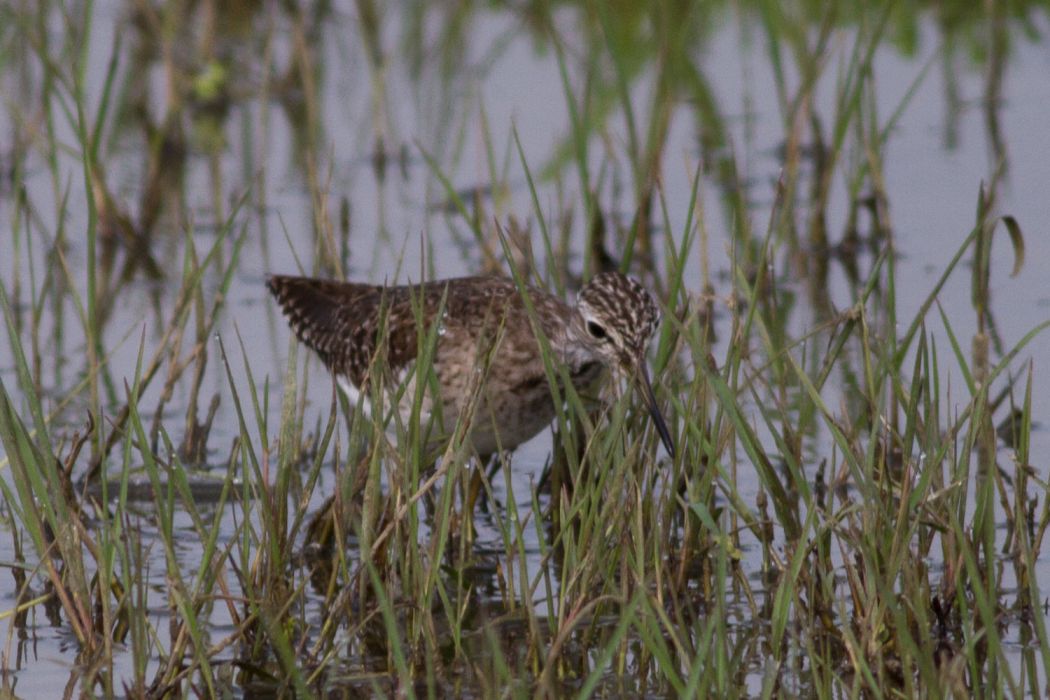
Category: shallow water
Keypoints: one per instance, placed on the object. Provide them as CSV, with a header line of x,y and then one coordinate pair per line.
x,y
497,80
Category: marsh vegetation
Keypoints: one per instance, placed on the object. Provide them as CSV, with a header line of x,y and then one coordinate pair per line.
x,y
838,206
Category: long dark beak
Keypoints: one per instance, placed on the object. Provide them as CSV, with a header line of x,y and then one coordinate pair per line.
x,y
654,410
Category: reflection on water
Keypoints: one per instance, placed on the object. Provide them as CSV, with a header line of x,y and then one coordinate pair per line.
x,y
216,142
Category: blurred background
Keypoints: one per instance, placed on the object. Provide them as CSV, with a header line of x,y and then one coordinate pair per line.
x,y
145,143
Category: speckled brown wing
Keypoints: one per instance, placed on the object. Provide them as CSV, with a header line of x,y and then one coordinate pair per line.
x,y
338,320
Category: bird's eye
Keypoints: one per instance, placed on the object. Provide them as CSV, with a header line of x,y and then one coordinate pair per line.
x,y
596,331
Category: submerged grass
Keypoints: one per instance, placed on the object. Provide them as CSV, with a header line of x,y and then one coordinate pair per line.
x,y
837,520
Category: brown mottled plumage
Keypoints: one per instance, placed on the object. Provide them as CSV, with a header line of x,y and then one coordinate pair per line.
x,y
483,323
